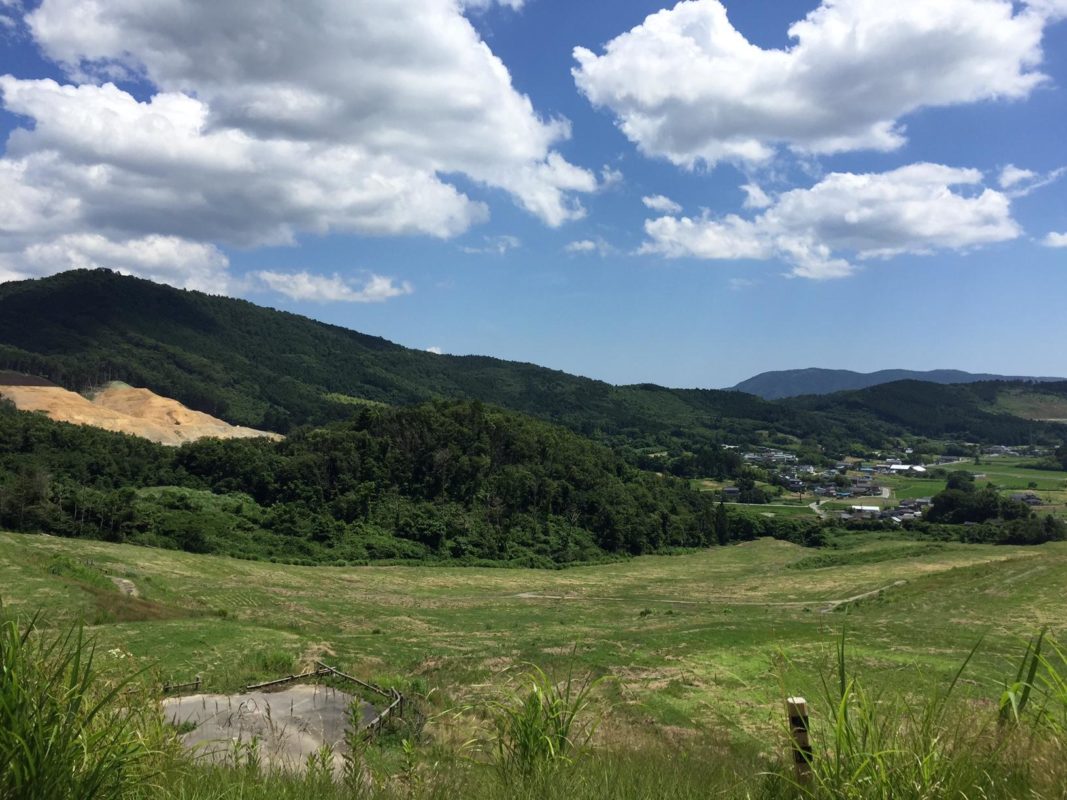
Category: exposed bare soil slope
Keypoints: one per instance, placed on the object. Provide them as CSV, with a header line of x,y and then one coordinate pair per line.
x,y
121,408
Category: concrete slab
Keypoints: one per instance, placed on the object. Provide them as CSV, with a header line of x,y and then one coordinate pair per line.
x,y
288,725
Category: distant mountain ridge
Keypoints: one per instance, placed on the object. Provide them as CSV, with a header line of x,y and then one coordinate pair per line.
x,y
776,385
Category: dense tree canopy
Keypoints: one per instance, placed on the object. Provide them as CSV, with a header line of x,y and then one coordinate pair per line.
x,y
442,480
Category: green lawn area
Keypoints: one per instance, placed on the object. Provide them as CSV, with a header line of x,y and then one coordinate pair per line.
x,y
1012,473
775,510
911,488
712,626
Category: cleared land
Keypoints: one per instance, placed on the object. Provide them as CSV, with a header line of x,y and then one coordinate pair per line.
x,y
1031,403
120,408
702,644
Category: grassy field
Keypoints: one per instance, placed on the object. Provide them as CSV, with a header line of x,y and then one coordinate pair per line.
x,y
1008,475
1031,404
790,510
911,488
701,646
1011,475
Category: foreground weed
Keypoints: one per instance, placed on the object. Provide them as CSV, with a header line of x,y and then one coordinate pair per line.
x,y
1016,695
543,726
62,734
871,745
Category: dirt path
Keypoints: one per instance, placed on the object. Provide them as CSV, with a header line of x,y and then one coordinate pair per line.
x,y
817,508
832,604
828,605
126,586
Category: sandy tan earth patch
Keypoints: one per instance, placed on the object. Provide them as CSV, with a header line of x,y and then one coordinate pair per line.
x,y
121,409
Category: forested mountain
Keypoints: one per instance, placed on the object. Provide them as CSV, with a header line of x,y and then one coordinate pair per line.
x,y
274,370
964,412
796,382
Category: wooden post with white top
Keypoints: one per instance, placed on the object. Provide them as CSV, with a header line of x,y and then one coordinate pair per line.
x,y
797,709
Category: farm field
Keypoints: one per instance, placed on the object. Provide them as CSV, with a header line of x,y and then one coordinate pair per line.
x,y
1008,475
1011,475
701,645
788,510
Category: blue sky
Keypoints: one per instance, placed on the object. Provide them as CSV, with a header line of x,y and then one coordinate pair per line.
x,y
463,178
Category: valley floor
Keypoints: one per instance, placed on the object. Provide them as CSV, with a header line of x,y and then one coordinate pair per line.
x,y
702,646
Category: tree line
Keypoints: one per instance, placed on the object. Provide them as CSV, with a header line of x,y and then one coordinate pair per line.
x,y
455,481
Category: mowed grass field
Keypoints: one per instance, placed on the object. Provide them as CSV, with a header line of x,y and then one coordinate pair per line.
x,y
699,645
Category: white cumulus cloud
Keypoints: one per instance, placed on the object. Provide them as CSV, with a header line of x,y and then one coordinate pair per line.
x,y
1055,240
688,86
407,80
189,265
915,209
1012,175
264,121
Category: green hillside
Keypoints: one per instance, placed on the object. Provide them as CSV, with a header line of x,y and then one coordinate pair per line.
x,y
260,367
270,369
699,651
964,412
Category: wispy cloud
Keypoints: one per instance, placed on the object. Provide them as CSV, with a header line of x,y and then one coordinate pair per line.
x,y
1018,182
494,246
596,246
333,288
610,177
658,202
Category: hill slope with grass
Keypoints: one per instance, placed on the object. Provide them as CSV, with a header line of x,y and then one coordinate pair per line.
x,y
977,412
697,652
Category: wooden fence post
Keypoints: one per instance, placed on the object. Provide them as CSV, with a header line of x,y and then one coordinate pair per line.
x,y
797,709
